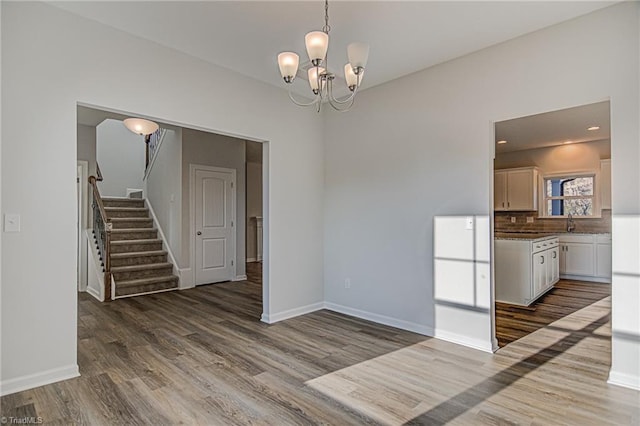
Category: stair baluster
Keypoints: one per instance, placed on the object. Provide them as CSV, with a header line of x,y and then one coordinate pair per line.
x,y
102,233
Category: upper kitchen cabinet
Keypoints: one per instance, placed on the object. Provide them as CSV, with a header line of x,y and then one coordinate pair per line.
x,y
516,189
605,184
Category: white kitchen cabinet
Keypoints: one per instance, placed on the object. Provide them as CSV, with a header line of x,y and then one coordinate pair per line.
x,y
578,259
516,189
525,268
605,184
585,257
603,256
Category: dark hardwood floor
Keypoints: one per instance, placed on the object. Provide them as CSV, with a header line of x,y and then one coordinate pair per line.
x,y
202,357
567,296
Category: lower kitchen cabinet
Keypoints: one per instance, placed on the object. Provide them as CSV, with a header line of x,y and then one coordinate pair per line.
x,y
585,257
525,269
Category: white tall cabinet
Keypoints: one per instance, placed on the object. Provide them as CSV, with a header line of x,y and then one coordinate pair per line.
x,y
516,189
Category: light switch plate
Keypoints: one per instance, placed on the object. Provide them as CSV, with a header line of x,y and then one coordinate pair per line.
x,y
513,219
11,222
469,223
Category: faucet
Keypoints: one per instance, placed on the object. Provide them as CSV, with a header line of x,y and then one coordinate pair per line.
x,y
571,226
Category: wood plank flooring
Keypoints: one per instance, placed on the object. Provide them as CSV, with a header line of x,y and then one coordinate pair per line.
x,y
567,296
202,357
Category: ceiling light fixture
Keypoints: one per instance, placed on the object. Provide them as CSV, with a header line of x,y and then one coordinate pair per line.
x,y
140,126
501,142
567,142
594,128
320,78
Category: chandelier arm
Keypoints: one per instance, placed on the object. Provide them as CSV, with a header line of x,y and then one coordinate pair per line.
x,y
346,100
338,108
337,104
303,104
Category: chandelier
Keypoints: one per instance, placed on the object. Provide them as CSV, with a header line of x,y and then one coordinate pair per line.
x,y
320,78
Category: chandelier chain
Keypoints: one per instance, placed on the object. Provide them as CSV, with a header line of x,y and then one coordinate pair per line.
x,y
326,27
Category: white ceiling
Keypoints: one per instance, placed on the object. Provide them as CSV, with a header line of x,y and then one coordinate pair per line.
x,y
555,128
405,37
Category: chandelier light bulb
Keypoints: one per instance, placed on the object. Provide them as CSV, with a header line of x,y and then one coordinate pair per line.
x,y
288,63
358,54
317,44
353,79
314,81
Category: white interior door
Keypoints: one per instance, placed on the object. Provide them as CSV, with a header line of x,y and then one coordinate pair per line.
x,y
214,224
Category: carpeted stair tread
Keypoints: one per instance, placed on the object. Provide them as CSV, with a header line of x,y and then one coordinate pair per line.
x,y
144,281
131,219
140,241
126,212
133,268
138,253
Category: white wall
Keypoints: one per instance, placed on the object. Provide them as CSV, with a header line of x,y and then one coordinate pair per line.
x,y
100,66
422,146
120,155
210,149
86,149
164,190
254,205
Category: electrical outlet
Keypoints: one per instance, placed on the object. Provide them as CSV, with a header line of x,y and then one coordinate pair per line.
x,y
530,219
347,283
513,219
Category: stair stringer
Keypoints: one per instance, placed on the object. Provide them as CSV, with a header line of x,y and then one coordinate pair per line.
x,y
165,244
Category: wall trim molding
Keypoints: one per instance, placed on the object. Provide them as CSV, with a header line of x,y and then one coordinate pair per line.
x,y
625,380
251,259
240,278
291,313
381,319
35,380
186,279
459,339
165,242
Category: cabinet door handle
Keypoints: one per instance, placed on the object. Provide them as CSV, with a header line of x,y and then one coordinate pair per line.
x,y
541,260
508,204
555,254
503,204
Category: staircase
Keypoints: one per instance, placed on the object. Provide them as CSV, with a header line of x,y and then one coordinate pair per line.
x,y
138,263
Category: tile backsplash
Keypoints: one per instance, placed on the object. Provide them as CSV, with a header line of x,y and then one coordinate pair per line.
x,y
595,225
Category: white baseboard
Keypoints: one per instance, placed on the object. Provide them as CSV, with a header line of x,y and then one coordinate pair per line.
x,y
380,319
186,279
39,379
624,380
602,280
281,316
251,259
467,341
240,278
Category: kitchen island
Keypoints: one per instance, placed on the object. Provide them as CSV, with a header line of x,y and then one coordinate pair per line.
x,y
527,265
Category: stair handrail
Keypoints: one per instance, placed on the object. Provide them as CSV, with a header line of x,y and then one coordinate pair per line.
x,y
102,232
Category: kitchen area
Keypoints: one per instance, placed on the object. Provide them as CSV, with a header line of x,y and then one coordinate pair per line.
x,y
552,217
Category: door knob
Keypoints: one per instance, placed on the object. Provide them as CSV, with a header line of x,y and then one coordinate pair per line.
x,y
198,233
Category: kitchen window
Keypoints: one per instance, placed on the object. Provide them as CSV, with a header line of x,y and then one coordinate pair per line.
x,y
569,195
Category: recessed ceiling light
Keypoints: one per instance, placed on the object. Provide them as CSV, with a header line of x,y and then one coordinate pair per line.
x,y
567,142
501,142
594,128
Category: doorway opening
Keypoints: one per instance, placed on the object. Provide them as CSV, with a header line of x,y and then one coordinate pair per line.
x,y
551,217
164,181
